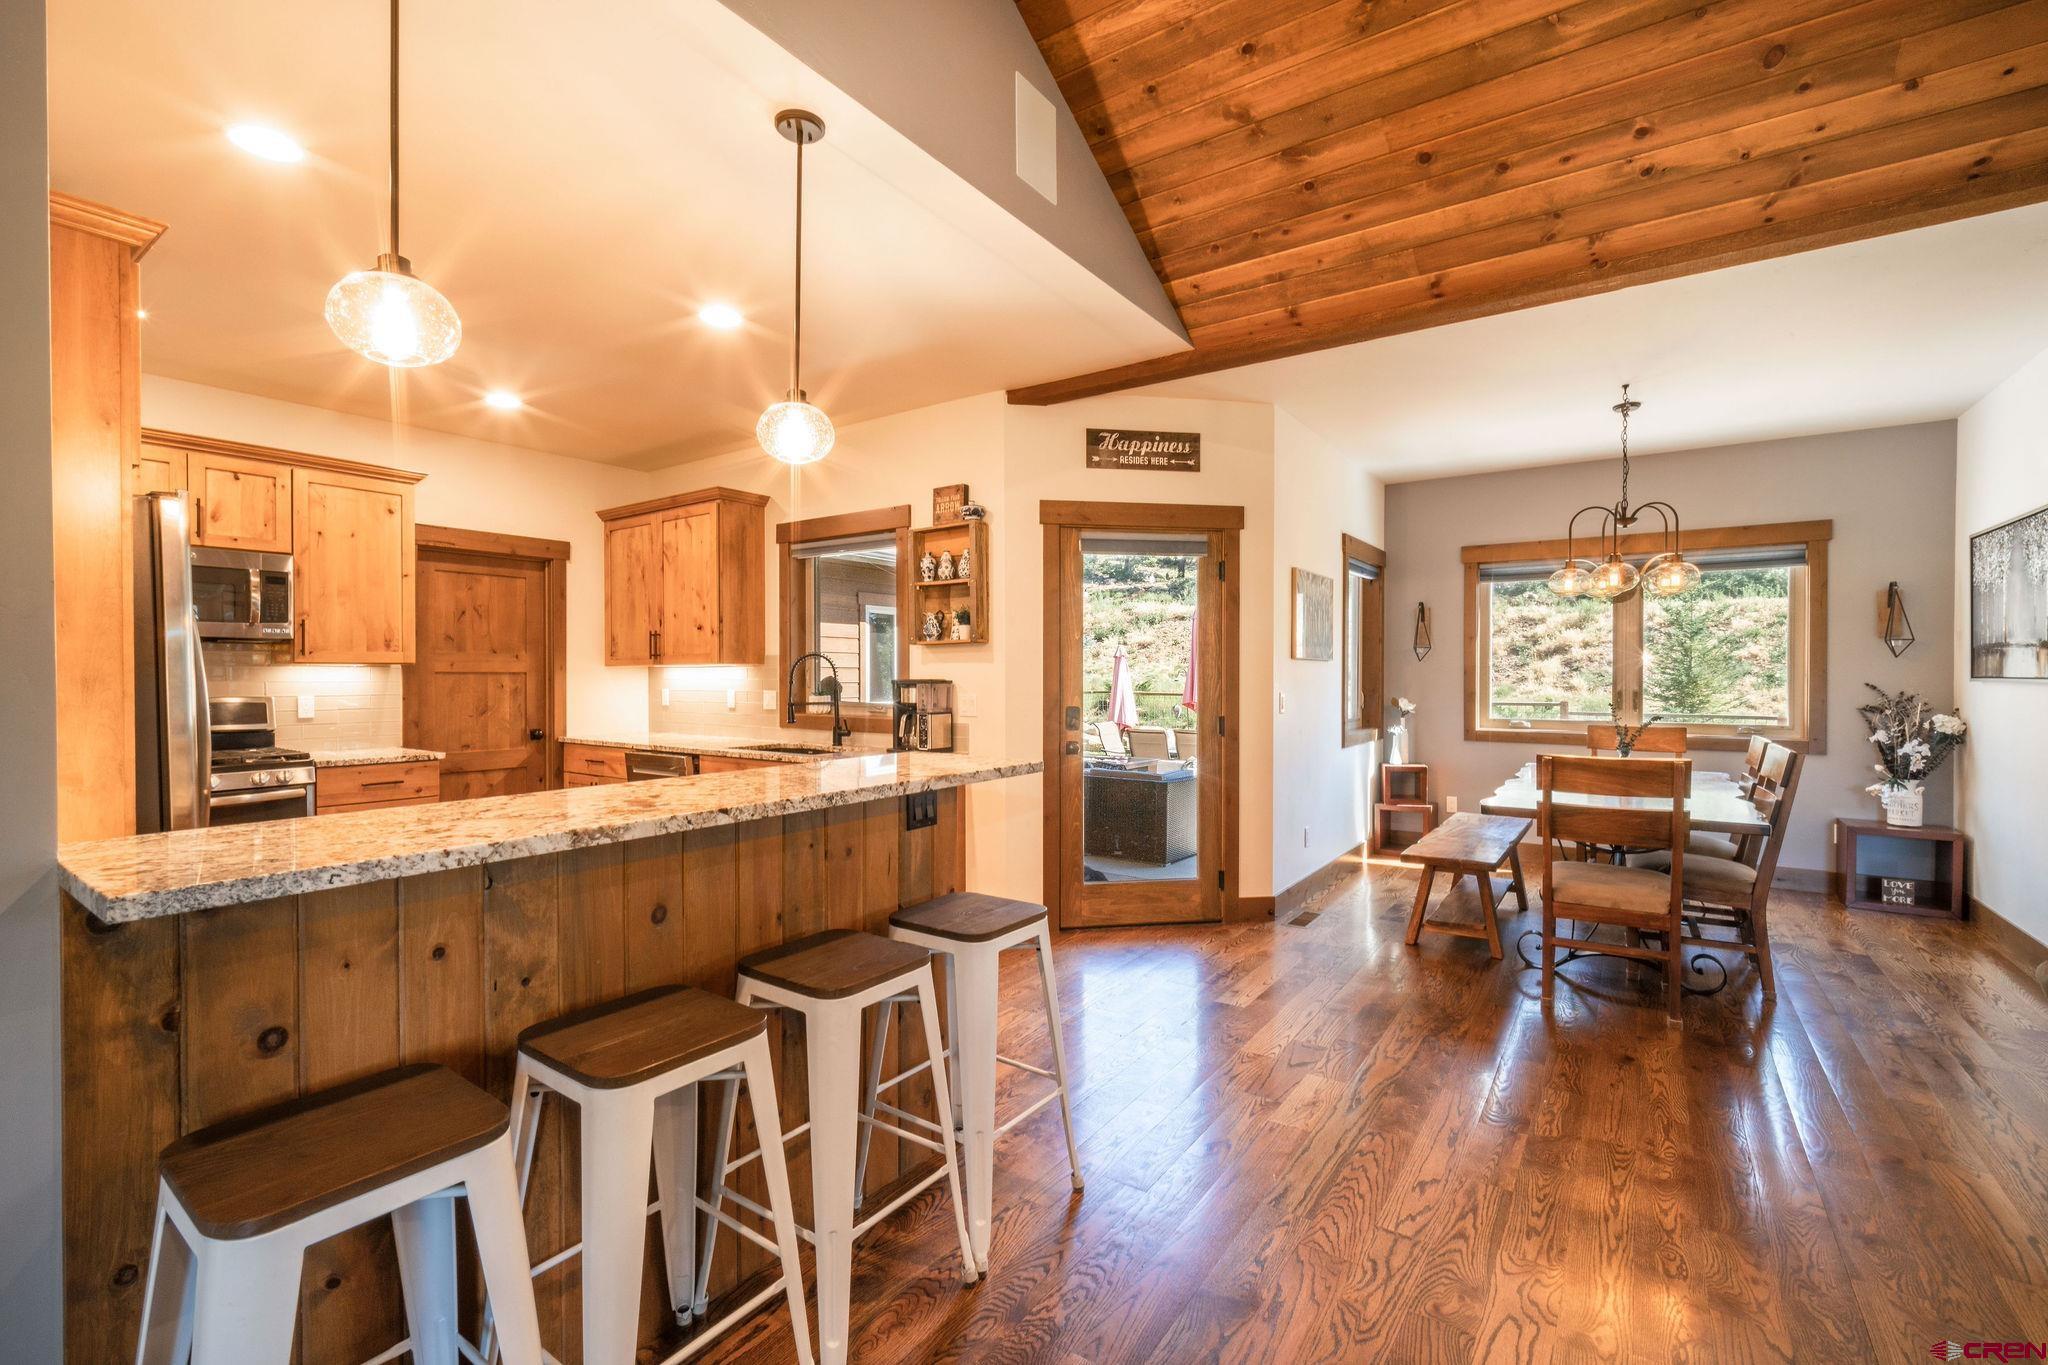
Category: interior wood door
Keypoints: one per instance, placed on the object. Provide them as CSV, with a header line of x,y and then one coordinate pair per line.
x,y
352,568
241,504
688,630
478,689
632,589
1082,789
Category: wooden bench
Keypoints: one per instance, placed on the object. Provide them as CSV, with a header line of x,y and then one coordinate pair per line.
x,y
1476,845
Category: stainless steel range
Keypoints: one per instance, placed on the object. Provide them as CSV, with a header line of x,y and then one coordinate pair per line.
x,y
250,777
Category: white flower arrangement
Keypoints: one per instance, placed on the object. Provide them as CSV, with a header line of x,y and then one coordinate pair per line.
x,y
1404,706
1911,744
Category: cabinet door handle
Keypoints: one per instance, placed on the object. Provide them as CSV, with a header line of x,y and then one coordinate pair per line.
x,y
302,635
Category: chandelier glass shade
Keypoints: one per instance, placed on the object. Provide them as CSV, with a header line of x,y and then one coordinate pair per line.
x,y
797,431
1665,574
387,313
392,316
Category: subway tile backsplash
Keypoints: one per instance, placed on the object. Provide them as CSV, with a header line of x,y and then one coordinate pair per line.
x,y
355,706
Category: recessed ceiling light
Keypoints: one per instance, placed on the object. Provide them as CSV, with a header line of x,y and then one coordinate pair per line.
x,y
142,313
504,399
721,316
268,143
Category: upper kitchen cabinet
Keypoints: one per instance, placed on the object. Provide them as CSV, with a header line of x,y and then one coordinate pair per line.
x,y
347,526
352,568
683,579
240,503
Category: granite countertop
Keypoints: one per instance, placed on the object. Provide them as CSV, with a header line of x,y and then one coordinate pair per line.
x,y
719,746
363,758
148,875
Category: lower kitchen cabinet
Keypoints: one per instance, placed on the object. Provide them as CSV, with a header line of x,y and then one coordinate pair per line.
x,y
375,786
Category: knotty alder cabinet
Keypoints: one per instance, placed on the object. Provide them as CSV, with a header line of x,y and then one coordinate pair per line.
x,y
684,579
348,528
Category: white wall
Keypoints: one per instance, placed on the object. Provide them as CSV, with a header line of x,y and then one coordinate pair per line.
x,y
31,1271
1321,790
1890,493
2001,473
472,485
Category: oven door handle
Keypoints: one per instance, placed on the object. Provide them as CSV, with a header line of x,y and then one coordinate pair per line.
x,y
298,794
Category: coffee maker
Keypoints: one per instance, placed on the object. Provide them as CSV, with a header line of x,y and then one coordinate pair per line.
x,y
923,715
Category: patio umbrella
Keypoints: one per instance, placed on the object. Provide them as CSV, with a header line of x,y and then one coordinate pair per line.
x,y
1123,701
1192,691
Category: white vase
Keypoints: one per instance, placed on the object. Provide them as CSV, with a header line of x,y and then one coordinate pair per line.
x,y
1397,743
1905,806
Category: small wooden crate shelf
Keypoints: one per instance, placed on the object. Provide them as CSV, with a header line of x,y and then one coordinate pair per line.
x,y
1404,784
1867,853
949,595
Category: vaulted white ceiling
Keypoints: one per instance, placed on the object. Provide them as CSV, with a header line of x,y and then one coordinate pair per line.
x,y
579,180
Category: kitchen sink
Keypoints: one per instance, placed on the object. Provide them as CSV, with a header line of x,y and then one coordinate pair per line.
x,y
792,749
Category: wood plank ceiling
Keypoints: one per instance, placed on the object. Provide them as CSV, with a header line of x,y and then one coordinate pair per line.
x,y
1306,173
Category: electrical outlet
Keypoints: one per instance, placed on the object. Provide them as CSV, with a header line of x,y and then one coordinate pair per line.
x,y
1281,700
306,706
1304,836
767,699
664,696
969,706
1450,805
732,699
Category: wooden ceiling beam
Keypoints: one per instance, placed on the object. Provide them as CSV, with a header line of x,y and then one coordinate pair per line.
x,y
1979,190
1498,157
1936,110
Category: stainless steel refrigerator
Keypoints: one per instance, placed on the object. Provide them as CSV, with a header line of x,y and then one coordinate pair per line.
x,y
173,741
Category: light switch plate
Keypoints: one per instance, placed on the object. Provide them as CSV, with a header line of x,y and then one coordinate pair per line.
x,y
664,696
306,701
1450,805
732,699
767,699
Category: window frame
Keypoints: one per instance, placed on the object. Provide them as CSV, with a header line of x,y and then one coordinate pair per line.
x,y
795,596
1809,628
1364,645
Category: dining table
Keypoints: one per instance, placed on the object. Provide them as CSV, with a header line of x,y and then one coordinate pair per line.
x,y
1716,803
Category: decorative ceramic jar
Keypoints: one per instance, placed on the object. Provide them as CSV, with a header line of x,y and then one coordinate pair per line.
x,y
946,564
934,625
928,567
962,565
1905,805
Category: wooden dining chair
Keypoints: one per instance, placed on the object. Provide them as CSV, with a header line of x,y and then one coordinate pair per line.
x,y
1735,893
1656,739
1706,845
1147,742
1648,814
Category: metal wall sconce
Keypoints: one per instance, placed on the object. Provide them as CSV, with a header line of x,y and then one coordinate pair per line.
x,y
1898,630
1422,640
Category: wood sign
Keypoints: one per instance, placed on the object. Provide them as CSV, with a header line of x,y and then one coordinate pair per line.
x,y
1118,449
947,502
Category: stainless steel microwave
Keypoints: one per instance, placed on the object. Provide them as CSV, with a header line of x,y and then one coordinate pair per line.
x,y
241,594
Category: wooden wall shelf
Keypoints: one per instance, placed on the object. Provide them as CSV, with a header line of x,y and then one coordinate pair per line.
x,y
950,595
1935,870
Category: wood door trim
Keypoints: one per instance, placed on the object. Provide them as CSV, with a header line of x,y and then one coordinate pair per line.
x,y
297,459
1137,516
495,543
555,590
872,522
1224,522
1356,551
1650,542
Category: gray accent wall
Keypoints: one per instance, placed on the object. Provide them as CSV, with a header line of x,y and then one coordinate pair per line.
x,y
1891,494
943,73
31,1267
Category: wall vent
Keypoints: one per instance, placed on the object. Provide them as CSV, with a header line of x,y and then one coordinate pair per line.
x,y
1037,141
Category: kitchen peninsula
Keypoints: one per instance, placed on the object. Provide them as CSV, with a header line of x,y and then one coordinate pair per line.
x,y
209,973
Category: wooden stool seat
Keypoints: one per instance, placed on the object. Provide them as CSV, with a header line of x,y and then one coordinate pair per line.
x,y
256,1174
834,964
1475,846
627,1041
968,917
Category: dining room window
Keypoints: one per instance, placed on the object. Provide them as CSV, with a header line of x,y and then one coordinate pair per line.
x,y
1741,654
1365,640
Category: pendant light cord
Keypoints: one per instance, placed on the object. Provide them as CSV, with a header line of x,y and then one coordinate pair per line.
x,y
394,128
796,349
1624,438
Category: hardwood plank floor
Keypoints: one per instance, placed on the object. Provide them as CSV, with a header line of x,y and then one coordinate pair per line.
x,y
1308,1142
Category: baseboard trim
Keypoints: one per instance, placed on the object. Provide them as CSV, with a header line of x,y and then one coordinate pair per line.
x,y
2011,942
1805,879
1298,896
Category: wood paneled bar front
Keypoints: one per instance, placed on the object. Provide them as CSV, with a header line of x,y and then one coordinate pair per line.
x,y
185,1017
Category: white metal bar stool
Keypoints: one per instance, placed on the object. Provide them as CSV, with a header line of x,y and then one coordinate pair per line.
x,y
971,932
632,1067
239,1203
830,979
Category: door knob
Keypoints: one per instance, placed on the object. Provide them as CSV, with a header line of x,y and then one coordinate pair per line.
x,y
536,733
1073,747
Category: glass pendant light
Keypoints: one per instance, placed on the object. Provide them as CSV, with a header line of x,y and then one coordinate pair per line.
x,y
387,313
796,431
1665,575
